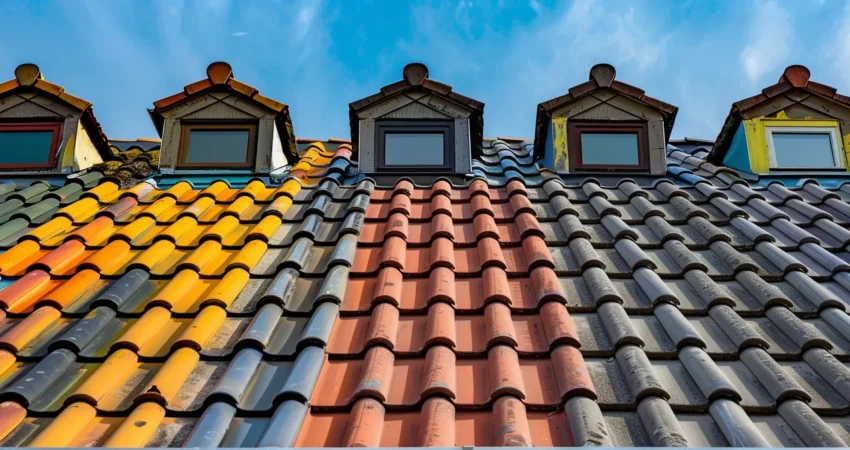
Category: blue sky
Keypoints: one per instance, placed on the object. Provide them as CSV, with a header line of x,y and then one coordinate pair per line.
x,y
317,56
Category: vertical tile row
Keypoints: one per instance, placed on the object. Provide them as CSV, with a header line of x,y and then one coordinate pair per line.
x,y
447,383
790,397
650,394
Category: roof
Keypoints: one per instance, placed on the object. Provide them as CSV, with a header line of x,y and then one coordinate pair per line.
x,y
416,78
220,79
602,76
28,78
325,310
794,77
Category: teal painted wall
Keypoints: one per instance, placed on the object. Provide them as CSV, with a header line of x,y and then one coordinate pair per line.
x,y
738,156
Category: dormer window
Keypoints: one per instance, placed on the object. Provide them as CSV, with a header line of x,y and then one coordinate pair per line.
x,y
217,145
605,146
29,145
222,123
416,126
804,148
796,125
604,125
403,144
46,130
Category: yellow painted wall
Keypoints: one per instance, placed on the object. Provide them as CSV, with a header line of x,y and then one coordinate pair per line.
x,y
562,155
757,137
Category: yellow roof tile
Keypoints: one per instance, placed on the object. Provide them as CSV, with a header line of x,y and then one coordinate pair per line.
x,y
139,335
230,286
78,287
71,422
80,210
205,325
170,377
179,289
203,256
250,255
100,385
138,428
134,229
110,259
266,228
33,325
54,227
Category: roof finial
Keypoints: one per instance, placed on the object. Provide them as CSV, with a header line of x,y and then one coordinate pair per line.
x,y
797,75
603,74
415,73
219,72
27,74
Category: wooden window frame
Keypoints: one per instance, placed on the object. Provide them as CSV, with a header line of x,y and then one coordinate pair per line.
x,y
576,128
444,127
54,127
186,130
837,151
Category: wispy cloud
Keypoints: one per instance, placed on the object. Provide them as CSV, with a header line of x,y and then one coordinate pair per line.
x,y
239,34
770,37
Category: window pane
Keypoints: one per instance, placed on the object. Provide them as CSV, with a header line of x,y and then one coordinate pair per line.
x,y
217,146
25,147
413,149
616,149
808,150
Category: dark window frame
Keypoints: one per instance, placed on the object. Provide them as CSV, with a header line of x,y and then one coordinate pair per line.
x,y
576,128
444,127
186,131
53,126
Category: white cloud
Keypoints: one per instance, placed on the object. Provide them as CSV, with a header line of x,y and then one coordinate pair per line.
x,y
535,6
771,39
239,34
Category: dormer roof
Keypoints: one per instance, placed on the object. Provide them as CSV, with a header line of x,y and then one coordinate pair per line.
x,y
602,76
795,77
220,79
28,78
416,78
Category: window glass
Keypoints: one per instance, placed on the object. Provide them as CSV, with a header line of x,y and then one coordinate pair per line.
x,y
413,149
618,149
217,146
803,150
25,147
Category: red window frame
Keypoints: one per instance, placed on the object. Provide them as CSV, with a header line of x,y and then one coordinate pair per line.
x,y
575,130
55,127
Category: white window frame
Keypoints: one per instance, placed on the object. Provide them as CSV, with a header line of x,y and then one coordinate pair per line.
x,y
837,153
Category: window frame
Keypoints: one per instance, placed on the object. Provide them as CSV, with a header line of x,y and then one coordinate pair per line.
x,y
444,127
837,151
53,126
185,134
576,128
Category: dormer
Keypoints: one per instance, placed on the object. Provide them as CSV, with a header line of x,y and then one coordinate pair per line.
x,y
220,123
416,126
45,130
604,125
794,126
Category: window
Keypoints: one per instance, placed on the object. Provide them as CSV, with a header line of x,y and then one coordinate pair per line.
x,y
415,145
607,146
225,145
804,148
29,145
